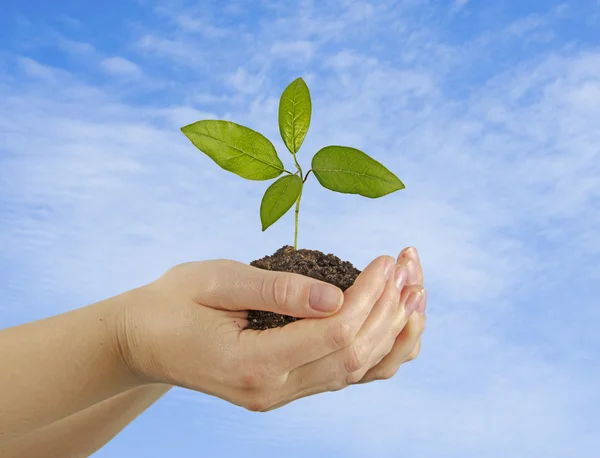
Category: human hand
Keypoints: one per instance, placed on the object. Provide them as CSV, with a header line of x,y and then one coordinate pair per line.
x,y
407,345
187,329
397,344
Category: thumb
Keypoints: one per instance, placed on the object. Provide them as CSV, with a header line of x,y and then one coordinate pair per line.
x,y
236,286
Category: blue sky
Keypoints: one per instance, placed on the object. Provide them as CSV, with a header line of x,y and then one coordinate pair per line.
x,y
489,113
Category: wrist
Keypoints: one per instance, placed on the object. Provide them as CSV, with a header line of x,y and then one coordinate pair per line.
x,y
127,335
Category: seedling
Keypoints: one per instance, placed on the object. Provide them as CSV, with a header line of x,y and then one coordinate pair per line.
x,y
251,155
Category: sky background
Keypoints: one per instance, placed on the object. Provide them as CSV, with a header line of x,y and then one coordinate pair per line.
x,y
488,111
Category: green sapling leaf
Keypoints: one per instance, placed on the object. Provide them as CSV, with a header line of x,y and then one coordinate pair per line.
x,y
350,171
295,109
250,155
236,148
279,198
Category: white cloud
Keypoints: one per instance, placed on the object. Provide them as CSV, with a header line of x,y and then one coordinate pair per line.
x,y
191,24
75,47
36,70
300,51
346,59
243,81
119,66
183,52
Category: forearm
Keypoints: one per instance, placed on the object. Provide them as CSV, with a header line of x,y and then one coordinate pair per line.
x,y
83,433
58,366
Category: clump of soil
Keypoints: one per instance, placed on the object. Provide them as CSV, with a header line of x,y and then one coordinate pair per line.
x,y
311,263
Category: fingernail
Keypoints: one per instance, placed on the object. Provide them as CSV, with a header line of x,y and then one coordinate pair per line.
x,y
422,304
325,298
411,269
389,267
408,251
412,302
400,276
412,252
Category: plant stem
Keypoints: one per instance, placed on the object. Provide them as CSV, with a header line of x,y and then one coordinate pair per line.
x,y
306,176
297,165
296,226
297,203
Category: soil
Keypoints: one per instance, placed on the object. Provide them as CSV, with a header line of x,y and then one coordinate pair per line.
x,y
311,263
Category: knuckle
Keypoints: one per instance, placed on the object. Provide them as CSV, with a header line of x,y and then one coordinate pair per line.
x,y
342,334
338,385
386,373
391,302
379,359
256,404
252,379
354,377
259,378
357,357
398,326
413,354
249,381
389,347
279,291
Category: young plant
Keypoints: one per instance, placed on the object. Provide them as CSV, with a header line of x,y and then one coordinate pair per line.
x,y
250,155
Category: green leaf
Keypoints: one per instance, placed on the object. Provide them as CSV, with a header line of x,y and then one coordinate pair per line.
x,y
279,198
294,114
236,148
348,170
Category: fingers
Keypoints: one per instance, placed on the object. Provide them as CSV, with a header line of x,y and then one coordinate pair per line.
x,y
377,324
301,342
236,286
415,276
410,256
349,364
381,327
384,342
406,348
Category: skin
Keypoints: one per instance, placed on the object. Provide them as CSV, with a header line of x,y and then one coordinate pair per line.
x,y
85,432
186,329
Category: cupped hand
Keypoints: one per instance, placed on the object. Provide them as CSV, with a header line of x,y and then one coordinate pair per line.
x,y
407,345
378,349
188,329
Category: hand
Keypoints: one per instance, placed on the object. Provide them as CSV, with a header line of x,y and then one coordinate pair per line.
x,y
407,345
394,345
187,329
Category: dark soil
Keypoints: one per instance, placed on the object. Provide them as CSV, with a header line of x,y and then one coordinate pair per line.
x,y
311,263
